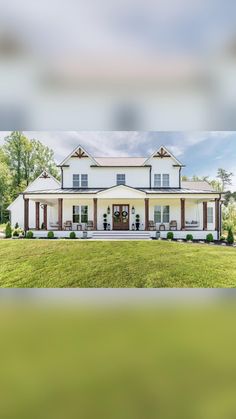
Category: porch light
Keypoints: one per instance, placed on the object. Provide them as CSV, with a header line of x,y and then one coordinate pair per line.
x,y
108,210
133,210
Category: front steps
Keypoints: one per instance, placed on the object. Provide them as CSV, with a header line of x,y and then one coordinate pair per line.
x,y
121,235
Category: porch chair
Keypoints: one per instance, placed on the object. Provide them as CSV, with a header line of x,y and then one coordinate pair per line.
x,y
68,225
90,225
173,225
151,225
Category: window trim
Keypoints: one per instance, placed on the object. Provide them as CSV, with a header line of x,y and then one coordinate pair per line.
x,y
82,180
80,214
157,175
210,216
78,180
165,174
162,214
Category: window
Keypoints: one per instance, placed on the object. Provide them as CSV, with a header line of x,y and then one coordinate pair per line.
x,y
84,181
76,214
157,214
120,179
166,214
162,214
210,215
80,214
157,180
165,181
76,183
84,214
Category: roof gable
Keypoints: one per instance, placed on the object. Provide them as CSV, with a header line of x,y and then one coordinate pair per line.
x,y
121,192
79,153
162,153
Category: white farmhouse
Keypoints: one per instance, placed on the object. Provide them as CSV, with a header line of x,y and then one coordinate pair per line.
x,y
119,197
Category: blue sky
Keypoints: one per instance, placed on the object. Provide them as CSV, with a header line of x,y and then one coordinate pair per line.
x,y
202,152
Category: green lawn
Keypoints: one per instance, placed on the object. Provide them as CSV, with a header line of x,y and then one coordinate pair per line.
x,y
85,264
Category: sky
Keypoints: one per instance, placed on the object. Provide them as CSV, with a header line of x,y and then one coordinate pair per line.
x,y
202,152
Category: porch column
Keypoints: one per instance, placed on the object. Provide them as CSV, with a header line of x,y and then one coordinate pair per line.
x,y
146,213
182,205
26,214
217,214
95,213
204,215
37,209
45,216
60,213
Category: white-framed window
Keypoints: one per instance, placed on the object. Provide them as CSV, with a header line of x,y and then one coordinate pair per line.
x,y
157,180
76,181
165,180
84,181
162,214
210,215
80,214
120,179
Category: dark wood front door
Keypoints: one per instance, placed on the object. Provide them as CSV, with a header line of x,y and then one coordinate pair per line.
x,y
120,217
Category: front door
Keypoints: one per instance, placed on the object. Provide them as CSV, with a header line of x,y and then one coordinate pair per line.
x,y
120,217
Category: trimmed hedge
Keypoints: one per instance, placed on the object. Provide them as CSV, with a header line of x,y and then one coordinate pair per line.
x,y
8,231
209,238
29,235
72,235
50,235
230,237
189,237
170,235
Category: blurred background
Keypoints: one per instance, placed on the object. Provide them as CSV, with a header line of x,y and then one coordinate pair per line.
x,y
118,65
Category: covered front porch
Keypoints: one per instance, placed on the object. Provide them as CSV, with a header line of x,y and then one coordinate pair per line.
x,y
123,210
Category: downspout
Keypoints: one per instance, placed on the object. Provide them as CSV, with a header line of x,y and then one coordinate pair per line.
x,y
150,177
180,177
220,223
62,180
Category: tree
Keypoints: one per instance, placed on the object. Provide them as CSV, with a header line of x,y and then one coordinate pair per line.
x,y
216,185
225,177
26,160
5,183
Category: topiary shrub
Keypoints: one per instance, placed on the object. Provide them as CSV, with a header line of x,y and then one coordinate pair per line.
x,y
29,235
72,235
170,235
209,238
50,235
189,238
16,226
230,237
8,231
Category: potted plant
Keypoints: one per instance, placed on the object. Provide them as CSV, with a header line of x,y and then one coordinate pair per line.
x,y
105,221
137,222
158,235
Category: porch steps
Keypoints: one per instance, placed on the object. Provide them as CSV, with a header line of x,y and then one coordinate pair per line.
x,y
121,235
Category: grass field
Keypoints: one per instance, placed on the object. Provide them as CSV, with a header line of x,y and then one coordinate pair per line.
x,y
85,264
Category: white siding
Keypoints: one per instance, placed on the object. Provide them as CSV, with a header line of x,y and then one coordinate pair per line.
x,y
165,166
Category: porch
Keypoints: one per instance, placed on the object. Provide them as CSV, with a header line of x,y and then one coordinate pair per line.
x,y
182,215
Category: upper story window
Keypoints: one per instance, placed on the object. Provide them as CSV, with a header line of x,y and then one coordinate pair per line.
x,y
157,180
166,180
161,181
76,181
84,181
120,179
80,181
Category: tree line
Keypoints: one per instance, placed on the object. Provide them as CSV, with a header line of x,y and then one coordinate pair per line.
x,y
21,161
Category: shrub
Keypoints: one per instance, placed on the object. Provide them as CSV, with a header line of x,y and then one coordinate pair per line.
x,y
42,226
72,235
230,237
29,234
8,231
189,238
50,235
222,238
16,226
15,233
209,238
170,235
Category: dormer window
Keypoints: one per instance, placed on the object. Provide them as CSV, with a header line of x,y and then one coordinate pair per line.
x,y
166,180
76,181
80,181
161,181
120,179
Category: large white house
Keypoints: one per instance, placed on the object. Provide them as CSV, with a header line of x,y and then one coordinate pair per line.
x,y
121,195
